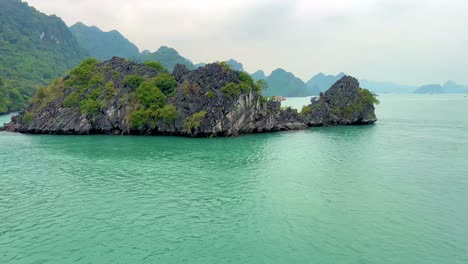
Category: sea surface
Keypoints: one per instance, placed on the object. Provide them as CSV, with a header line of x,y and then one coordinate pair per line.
x,y
393,192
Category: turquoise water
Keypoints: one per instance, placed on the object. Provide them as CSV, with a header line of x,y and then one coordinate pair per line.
x,y
395,192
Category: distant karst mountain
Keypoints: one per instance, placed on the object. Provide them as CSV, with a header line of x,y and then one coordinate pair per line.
x,y
452,87
430,89
168,57
34,49
283,83
235,65
387,87
103,45
321,83
449,87
258,75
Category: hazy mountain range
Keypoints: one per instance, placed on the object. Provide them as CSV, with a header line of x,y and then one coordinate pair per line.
x,y
103,45
280,81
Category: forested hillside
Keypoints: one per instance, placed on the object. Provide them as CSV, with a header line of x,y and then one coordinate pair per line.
x,y
34,49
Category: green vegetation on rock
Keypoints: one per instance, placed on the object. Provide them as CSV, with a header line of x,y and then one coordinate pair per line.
x,y
210,94
150,96
194,121
166,83
158,66
90,106
231,90
367,97
133,81
72,100
152,100
168,113
27,118
81,76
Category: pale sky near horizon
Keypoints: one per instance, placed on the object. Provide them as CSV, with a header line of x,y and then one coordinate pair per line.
x,y
406,41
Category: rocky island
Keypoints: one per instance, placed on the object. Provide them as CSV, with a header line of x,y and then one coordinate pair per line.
x,y
122,97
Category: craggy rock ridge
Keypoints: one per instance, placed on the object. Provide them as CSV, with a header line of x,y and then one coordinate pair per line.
x,y
122,97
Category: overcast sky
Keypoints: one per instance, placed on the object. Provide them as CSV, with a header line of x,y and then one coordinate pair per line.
x,y
406,41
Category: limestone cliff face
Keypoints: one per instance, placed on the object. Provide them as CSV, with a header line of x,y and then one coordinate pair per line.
x,y
202,106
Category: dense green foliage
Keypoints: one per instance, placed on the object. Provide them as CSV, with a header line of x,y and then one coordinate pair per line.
x,y
245,85
90,106
12,96
166,83
166,56
194,121
168,113
72,100
133,81
34,50
157,66
103,45
152,100
82,76
85,86
231,90
150,96
367,97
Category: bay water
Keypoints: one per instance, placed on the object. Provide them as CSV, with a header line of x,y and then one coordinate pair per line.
x,y
393,192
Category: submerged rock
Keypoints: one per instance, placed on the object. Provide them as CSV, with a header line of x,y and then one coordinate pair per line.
x,y
123,97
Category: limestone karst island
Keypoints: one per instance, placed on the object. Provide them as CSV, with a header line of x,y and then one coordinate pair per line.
x,y
122,97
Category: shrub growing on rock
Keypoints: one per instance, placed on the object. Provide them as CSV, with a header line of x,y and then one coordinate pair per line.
x,y
231,90
132,81
27,118
81,75
72,100
194,121
150,96
157,66
90,107
168,113
166,83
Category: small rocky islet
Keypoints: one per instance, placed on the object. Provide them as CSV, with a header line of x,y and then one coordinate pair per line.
x,y
122,97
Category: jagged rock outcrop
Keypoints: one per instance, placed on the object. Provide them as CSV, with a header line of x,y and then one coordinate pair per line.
x,y
345,103
123,97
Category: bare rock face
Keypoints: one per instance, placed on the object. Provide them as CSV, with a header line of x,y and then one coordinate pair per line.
x,y
343,104
203,106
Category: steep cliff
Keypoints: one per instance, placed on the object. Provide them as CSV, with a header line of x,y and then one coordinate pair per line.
x,y
123,97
